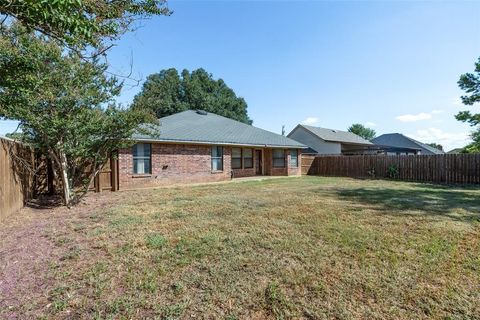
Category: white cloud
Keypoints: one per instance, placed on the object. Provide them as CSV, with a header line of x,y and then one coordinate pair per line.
x,y
310,121
418,117
370,124
449,140
414,117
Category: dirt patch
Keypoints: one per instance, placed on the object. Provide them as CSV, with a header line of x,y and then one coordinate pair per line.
x,y
28,252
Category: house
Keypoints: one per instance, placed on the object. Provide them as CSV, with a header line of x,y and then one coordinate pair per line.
x,y
196,146
328,141
455,151
398,140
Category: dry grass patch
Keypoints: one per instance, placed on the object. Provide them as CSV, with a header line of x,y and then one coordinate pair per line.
x,y
314,248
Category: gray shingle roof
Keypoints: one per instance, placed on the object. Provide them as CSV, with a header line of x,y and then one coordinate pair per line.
x,y
455,151
201,127
336,135
401,141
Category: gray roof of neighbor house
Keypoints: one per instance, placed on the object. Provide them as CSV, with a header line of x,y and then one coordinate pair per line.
x,y
334,135
193,126
401,141
455,151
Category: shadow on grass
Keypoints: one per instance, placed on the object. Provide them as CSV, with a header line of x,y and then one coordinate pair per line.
x,y
460,204
45,202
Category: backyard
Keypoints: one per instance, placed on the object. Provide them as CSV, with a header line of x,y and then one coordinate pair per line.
x,y
284,248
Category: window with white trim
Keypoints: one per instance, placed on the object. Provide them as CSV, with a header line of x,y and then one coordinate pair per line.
x,y
142,158
293,158
217,158
278,158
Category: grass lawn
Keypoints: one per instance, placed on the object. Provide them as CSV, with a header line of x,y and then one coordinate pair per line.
x,y
293,248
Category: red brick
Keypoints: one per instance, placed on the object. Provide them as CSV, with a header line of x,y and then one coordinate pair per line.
x,y
183,163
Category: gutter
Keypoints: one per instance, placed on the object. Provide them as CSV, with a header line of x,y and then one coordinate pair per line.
x,y
221,143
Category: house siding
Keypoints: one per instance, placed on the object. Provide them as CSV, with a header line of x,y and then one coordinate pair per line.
x,y
186,163
302,135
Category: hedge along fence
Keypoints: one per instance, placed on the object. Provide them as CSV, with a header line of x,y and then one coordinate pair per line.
x,y
447,168
16,181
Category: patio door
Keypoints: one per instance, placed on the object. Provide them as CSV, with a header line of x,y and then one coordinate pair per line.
x,y
258,162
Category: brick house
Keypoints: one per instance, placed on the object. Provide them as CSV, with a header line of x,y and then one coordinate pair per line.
x,y
196,146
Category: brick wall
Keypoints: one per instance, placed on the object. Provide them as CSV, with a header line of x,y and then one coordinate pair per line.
x,y
174,163
287,170
182,163
292,171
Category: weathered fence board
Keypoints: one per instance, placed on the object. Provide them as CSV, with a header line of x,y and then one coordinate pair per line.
x,y
448,168
23,175
16,182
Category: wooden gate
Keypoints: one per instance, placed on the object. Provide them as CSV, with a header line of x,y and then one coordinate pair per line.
x,y
107,178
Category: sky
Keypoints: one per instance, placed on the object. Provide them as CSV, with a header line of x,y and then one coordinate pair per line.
x,y
392,66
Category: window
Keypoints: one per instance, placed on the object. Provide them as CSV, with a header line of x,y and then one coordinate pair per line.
x,y
142,156
217,158
278,158
236,158
248,158
294,158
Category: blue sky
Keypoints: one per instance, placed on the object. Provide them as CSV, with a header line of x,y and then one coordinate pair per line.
x,y
390,65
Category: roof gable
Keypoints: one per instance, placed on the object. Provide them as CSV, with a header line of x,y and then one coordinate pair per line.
x,y
205,127
332,135
399,140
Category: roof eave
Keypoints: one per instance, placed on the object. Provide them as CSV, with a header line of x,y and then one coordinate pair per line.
x,y
219,143
348,142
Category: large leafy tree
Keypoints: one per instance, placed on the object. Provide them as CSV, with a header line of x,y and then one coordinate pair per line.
x,y
470,83
168,92
362,131
64,105
81,23
435,145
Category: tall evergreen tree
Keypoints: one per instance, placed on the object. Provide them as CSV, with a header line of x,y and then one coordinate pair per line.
x,y
167,92
470,83
362,131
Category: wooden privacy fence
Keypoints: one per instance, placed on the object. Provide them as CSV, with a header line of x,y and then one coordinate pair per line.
x,y
448,168
24,174
16,182
107,178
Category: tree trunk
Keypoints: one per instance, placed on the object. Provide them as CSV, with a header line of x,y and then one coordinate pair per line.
x,y
50,177
66,185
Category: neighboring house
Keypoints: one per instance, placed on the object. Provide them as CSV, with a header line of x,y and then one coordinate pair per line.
x,y
455,151
397,140
196,146
329,141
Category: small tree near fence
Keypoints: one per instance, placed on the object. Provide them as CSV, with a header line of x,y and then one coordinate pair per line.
x,y
64,105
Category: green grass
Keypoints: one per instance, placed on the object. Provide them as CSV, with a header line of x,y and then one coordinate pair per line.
x,y
314,248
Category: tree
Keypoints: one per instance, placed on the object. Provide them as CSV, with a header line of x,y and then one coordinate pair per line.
x,y
435,145
470,83
362,131
167,92
81,23
64,105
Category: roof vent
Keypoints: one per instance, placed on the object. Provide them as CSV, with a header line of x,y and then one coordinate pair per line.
x,y
334,131
202,112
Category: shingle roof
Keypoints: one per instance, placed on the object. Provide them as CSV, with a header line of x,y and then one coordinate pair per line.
x,y
336,135
455,151
401,141
201,127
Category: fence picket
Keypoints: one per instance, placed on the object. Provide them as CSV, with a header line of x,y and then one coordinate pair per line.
x,y
448,168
